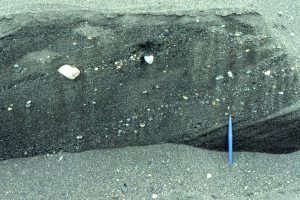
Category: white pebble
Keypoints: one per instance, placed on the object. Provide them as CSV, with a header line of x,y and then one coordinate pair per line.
x,y
28,104
119,132
9,109
230,74
69,71
60,158
79,137
267,72
281,93
133,57
238,34
142,125
154,196
292,34
96,68
219,77
185,97
16,65
149,59
209,175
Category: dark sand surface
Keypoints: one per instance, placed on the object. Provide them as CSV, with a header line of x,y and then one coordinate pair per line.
x,y
168,171
158,171
282,16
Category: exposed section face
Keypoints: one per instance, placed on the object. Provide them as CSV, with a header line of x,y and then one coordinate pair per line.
x,y
146,79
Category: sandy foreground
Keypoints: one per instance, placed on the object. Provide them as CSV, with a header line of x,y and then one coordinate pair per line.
x,y
165,171
152,172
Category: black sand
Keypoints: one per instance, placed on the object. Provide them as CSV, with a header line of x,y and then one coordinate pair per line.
x,y
174,100
169,171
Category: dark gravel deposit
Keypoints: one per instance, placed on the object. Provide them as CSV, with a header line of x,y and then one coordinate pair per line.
x,y
156,85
